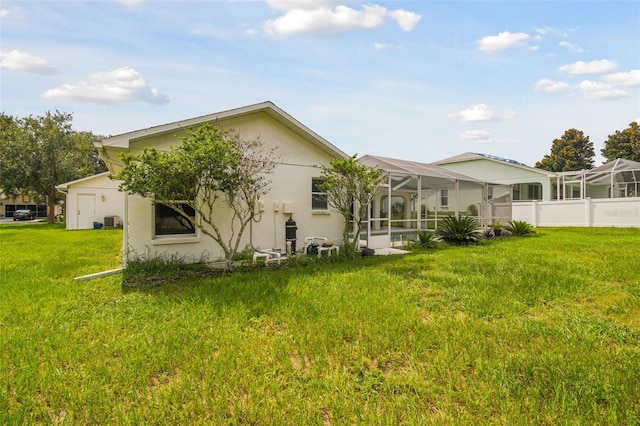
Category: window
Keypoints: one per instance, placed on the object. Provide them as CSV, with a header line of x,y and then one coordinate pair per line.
x,y
318,196
527,191
633,189
444,197
170,222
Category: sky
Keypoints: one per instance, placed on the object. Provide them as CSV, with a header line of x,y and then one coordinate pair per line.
x,y
416,80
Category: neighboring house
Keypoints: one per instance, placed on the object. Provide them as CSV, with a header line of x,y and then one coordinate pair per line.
x,y
93,199
415,197
520,182
22,202
608,195
294,189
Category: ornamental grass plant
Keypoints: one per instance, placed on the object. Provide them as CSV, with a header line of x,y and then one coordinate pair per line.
x,y
541,330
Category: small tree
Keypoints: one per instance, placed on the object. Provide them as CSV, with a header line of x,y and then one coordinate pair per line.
x,y
623,144
573,151
211,164
350,187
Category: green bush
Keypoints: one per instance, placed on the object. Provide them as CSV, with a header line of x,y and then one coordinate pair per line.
x,y
462,230
520,227
427,239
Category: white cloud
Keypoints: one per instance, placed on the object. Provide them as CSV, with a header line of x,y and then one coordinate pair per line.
x,y
406,20
318,18
597,90
631,78
480,136
543,30
594,67
571,47
551,86
477,112
383,46
504,40
133,4
26,62
4,13
110,87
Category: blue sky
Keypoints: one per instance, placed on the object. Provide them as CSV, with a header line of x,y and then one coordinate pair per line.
x,y
407,79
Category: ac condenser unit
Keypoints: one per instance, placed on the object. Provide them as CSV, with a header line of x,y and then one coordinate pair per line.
x,y
112,222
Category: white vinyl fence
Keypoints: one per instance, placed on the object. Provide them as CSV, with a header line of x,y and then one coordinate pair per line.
x,y
622,212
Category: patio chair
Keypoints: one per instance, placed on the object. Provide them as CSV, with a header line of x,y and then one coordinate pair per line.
x,y
318,245
269,255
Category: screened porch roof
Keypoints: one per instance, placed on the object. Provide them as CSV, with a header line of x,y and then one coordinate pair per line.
x,y
414,168
622,170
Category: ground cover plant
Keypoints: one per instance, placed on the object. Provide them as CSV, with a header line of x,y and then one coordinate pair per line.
x,y
538,330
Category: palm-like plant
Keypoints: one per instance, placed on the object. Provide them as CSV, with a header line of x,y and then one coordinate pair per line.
x,y
427,239
520,227
460,230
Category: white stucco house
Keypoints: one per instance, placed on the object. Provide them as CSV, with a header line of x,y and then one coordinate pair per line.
x,y
294,192
92,199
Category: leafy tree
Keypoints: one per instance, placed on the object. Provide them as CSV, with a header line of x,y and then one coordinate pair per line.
x,y
623,144
211,164
573,151
350,188
38,153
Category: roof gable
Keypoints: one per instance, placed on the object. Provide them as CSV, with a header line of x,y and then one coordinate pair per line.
x,y
124,140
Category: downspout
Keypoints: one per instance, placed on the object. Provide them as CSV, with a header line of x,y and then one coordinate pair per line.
x,y
125,231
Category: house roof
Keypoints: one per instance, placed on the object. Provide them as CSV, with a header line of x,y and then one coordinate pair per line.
x,y
84,179
394,165
268,107
471,156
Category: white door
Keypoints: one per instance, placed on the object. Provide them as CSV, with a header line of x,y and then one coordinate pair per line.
x,y
86,210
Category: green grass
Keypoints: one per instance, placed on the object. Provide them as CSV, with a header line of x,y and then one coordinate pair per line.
x,y
536,330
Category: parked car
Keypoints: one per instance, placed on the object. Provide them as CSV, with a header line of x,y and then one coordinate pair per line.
x,y
23,215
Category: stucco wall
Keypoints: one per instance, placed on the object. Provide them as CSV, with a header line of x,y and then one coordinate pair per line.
x,y
290,195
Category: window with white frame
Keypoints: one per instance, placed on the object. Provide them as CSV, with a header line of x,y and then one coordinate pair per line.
x,y
444,197
170,222
318,196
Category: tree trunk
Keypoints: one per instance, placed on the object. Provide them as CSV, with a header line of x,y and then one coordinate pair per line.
x,y
51,206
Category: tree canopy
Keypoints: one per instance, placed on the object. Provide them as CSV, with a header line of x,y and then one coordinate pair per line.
x,y
350,187
623,144
210,164
38,153
573,151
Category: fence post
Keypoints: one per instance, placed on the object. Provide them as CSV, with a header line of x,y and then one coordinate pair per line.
x,y
535,213
587,202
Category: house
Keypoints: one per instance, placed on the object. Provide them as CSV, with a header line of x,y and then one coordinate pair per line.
x,y
92,199
608,195
415,197
294,189
519,181
8,205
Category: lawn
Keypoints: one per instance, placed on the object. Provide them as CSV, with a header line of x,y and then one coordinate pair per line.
x,y
536,330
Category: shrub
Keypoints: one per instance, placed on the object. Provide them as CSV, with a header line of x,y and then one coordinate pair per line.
x,y
520,227
427,239
462,230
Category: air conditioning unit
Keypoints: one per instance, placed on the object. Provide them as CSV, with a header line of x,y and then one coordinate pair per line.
x,y
112,222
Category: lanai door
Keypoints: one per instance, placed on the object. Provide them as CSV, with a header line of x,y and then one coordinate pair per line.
x,y
86,210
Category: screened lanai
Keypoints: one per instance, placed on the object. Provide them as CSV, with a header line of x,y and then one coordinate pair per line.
x,y
417,196
616,179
